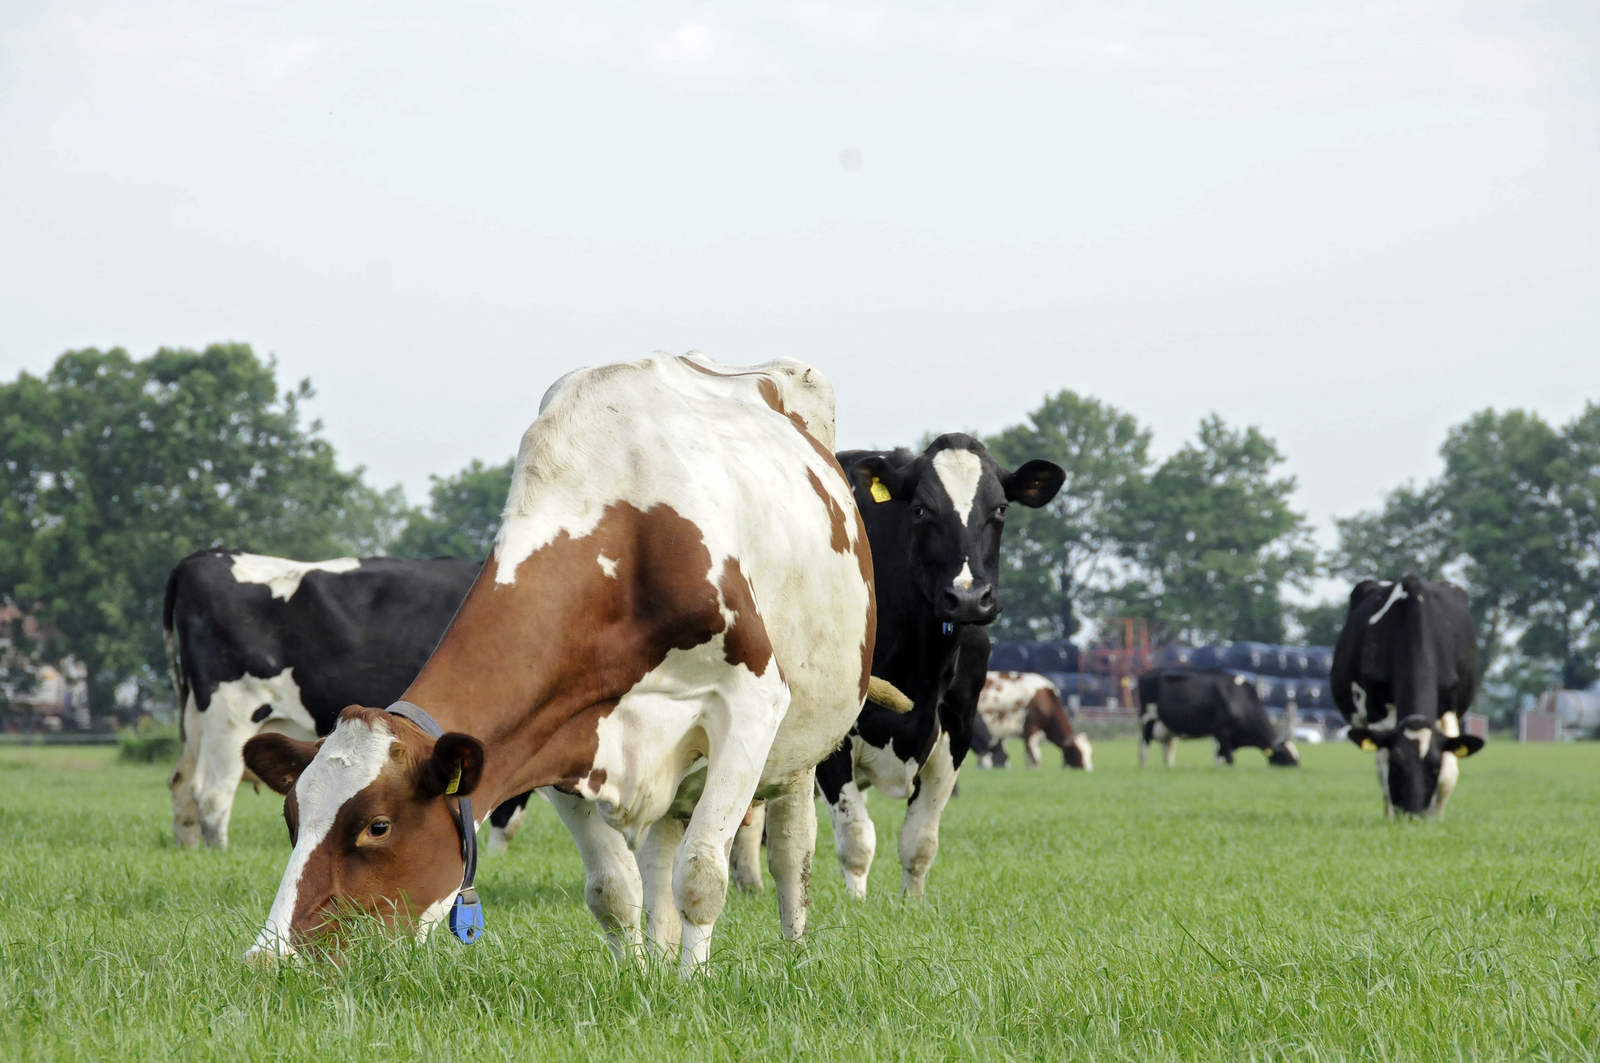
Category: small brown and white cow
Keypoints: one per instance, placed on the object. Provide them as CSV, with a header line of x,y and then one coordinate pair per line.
x,y
1028,705
677,618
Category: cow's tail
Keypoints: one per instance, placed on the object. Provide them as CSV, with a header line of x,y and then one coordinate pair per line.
x,y
882,692
169,640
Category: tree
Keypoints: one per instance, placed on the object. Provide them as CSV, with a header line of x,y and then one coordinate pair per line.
x,y
115,469
1052,557
1514,518
463,514
1212,540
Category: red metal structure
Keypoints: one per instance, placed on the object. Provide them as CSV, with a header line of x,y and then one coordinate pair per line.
x,y
1120,657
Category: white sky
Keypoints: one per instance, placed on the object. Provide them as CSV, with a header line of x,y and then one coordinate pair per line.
x,y
1351,224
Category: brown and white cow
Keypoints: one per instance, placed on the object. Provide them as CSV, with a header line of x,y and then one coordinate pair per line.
x,y
678,617
1028,705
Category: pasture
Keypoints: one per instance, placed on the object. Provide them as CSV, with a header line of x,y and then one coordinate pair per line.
x,y
1192,914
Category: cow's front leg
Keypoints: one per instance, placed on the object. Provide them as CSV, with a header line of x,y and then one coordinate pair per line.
x,y
1169,752
791,841
919,834
744,862
611,878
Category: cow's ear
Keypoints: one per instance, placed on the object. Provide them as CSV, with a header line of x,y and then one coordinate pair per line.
x,y
277,760
1034,484
1370,740
874,475
455,767
1464,745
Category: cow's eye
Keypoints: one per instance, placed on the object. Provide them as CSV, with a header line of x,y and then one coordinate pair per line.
x,y
378,828
999,512
918,510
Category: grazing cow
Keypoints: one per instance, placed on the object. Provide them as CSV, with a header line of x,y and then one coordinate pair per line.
x,y
1404,674
1029,705
677,617
934,521
1177,703
268,644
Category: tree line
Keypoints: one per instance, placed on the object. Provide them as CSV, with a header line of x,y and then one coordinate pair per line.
x,y
115,468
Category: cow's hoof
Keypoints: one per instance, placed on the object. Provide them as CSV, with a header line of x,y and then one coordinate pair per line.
x,y
855,884
497,841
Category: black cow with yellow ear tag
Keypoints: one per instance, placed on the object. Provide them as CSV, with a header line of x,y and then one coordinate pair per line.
x,y
1404,674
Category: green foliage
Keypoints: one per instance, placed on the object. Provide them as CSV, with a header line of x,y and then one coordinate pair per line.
x,y
154,745
1054,556
114,469
463,514
1320,623
1213,541
1193,914
1515,518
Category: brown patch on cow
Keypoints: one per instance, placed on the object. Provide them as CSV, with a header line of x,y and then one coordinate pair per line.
x,y
745,641
869,637
840,534
1046,713
769,394
597,779
532,667
800,426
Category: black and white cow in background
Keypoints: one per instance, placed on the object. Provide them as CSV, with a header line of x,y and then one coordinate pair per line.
x,y
934,522
1026,705
260,643
1404,674
1177,703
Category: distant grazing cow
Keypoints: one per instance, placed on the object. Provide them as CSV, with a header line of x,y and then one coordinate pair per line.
x,y
934,521
677,618
1026,704
1404,674
1177,703
261,643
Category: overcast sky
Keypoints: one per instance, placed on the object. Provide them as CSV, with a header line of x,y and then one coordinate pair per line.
x,y
1351,224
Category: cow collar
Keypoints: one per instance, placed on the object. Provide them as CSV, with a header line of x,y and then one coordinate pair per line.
x,y
466,915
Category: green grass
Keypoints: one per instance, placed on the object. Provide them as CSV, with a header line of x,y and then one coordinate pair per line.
x,y
1192,914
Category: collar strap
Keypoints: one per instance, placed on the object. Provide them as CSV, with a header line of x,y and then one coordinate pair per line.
x,y
466,917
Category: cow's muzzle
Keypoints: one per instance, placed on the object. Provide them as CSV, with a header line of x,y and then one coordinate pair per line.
x,y
976,604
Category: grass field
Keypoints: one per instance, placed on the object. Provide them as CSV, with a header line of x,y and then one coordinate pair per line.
x,y
1193,914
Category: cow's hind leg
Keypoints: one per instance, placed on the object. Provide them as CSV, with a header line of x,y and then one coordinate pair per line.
x,y
744,861
611,886
185,807
657,849
505,821
919,834
740,724
218,768
1169,751
791,840
855,838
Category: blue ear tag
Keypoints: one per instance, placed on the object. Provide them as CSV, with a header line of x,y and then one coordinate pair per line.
x,y
466,917
949,628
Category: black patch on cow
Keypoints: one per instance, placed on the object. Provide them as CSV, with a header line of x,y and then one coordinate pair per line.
x,y
1207,705
261,713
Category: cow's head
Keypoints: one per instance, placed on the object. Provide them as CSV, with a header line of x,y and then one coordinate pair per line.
x,y
957,495
1047,713
372,826
1416,760
1284,755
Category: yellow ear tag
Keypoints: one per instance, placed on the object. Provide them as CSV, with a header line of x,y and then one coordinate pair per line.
x,y
1369,746
455,783
880,493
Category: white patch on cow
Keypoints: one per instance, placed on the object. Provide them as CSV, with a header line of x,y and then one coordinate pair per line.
x,y
1003,702
1449,725
1449,775
1151,711
1422,736
281,575
1084,747
608,565
349,761
1035,748
434,914
1395,595
214,747
963,580
960,471
1238,680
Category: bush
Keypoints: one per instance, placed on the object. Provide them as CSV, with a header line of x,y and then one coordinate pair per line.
x,y
154,746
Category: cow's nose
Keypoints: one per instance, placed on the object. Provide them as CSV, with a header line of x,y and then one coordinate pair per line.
x,y
969,605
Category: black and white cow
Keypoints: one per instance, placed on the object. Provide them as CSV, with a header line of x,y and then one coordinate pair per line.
x,y
1177,703
260,643
934,522
1404,674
